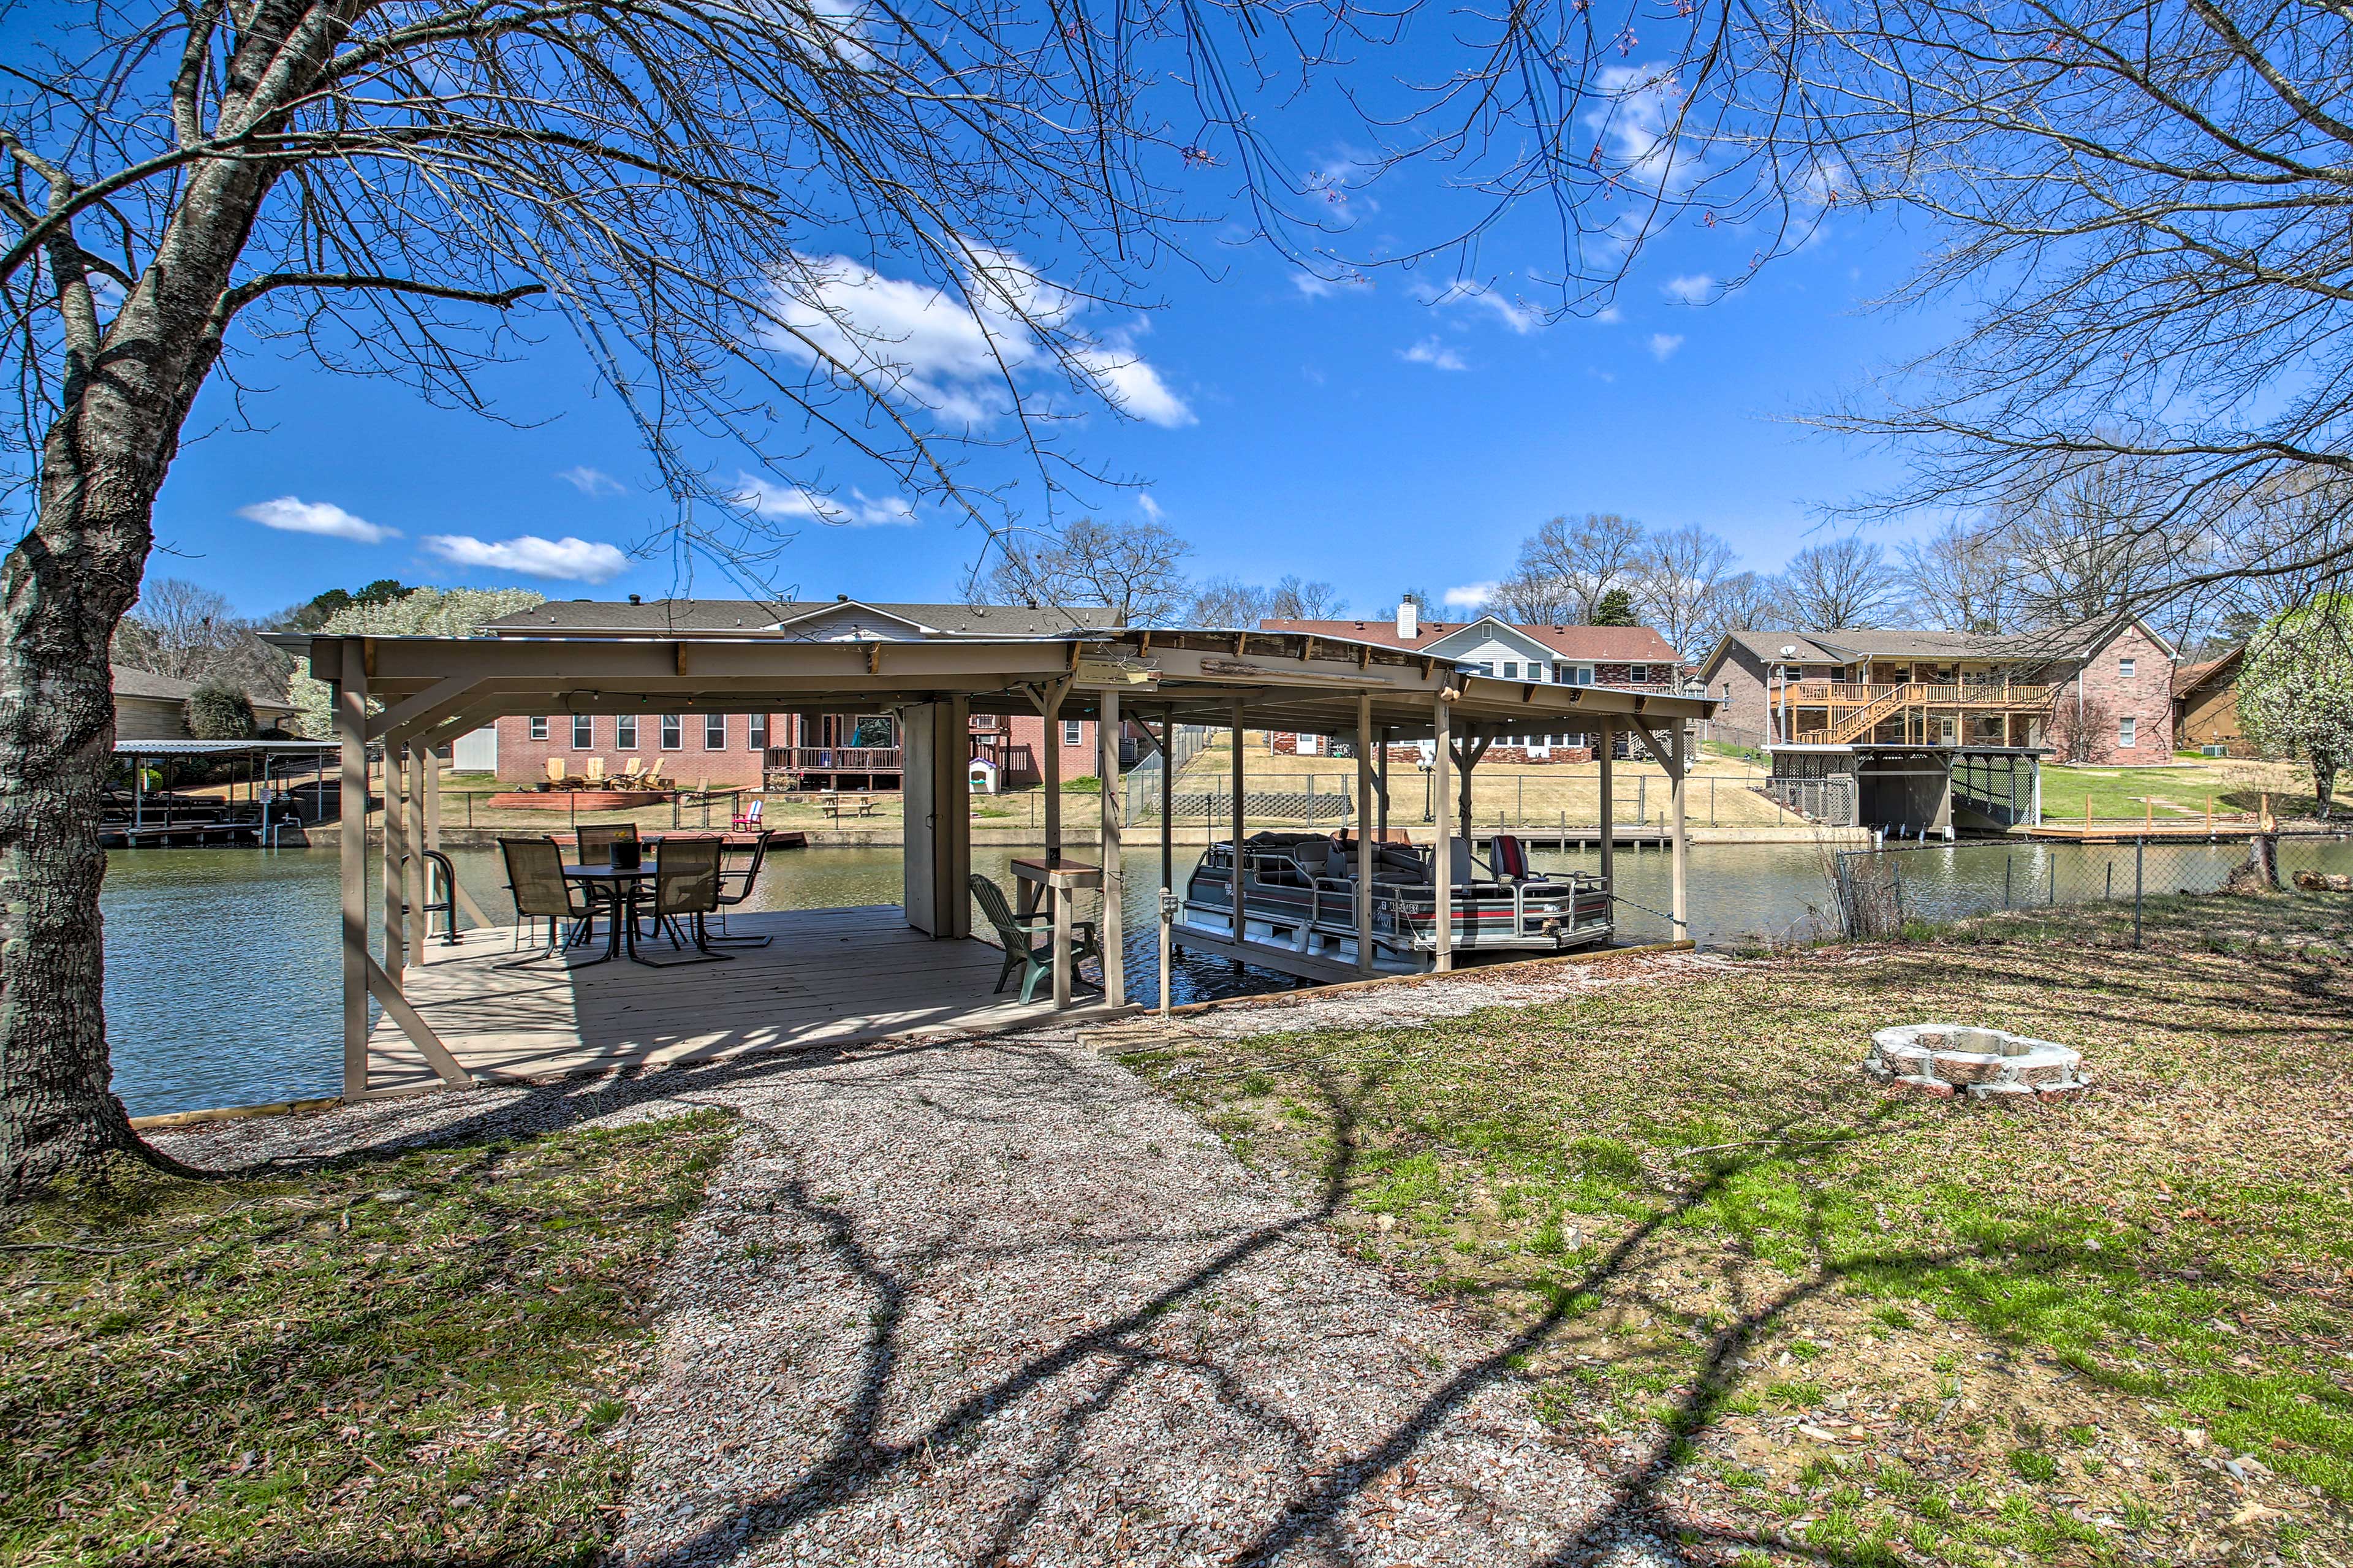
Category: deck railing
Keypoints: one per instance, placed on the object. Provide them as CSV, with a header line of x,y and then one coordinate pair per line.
x,y
835,759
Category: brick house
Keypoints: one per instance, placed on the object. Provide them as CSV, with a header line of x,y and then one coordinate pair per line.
x,y
757,751
1627,658
2206,706
2098,692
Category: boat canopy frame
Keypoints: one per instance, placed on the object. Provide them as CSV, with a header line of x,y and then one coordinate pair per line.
x,y
412,694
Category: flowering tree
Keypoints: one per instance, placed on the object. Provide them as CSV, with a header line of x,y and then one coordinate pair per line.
x,y
2295,691
420,612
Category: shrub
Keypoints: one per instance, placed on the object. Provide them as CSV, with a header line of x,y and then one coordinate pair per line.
x,y
219,711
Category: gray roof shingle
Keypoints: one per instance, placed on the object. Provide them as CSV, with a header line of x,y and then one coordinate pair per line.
x,y
656,616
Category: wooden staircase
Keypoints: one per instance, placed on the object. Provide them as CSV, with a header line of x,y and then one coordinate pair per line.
x,y
1865,720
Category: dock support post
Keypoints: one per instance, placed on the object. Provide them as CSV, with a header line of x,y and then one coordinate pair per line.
x,y
1051,759
396,875
1385,783
350,850
1167,799
1240,921
1677,792
1115,887
416,879
1365,851
1442,869
1608,814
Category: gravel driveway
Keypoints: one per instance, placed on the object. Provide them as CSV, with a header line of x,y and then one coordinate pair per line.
x,y
993,1302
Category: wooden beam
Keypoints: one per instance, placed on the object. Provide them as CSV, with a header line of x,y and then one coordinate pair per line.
x,y
1365,853
420,1033
1680,904
1443,850
681,650
349,699
1115,887
417,880
1610,811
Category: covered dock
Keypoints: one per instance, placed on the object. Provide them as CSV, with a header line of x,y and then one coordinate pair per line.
x,y
868,975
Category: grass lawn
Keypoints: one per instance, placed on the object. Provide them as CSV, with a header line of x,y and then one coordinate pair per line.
x,y
403,1359
1808,1323
2182,789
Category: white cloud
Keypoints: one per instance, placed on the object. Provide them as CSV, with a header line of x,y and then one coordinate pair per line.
x,y
1521,319
322,518
575,559
954,351
590,482
1695,290
1314,287
1664,343
1150,509
1435,355
1469,596
1608,315
795,504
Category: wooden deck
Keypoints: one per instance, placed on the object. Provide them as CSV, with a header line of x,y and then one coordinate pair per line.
x,y
830,977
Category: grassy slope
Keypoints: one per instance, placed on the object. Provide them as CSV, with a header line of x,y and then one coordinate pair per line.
x,y
2182,789
1887,1329
310,1366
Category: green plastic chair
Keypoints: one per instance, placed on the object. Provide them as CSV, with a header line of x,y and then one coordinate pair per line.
x,y
1019,937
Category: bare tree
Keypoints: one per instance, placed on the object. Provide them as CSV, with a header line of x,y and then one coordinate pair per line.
x,y
1842,582
1676,582
1960,581
377,186
1136,569
1227,600
1566,566
1293,600
192,633
1747,602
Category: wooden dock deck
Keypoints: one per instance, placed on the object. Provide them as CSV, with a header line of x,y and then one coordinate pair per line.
x,y
830,977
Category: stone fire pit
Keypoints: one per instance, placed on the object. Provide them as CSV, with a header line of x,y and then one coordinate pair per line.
x,y
1946,1059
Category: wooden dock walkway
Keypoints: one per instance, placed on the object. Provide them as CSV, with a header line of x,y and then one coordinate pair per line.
x,y
830,977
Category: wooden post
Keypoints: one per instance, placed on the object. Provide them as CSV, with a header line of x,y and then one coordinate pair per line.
x,y
1443,852
1385,783
1681,907
1051,768
1114,957
351,849
417,762
1608,812
1167,800
1365,852
395,876
1240,925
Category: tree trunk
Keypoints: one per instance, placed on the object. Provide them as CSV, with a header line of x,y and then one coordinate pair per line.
x,y
2324,786
63,590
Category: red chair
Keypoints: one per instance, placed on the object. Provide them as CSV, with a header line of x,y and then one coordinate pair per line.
x,y
748,819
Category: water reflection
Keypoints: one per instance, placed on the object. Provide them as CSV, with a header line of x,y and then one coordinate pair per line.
x,y
222,985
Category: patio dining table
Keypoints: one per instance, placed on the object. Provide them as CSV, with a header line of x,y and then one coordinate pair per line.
x,y
621,920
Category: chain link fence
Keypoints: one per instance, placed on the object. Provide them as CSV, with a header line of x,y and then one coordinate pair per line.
x,y
1882,890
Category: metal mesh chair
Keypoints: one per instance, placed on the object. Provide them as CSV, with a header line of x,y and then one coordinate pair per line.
x,y
541,891
734,891
596,842
686,887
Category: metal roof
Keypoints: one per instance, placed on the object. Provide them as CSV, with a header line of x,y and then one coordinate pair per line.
x,y
213,748
781,617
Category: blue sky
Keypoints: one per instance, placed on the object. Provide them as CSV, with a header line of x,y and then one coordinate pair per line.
x,y
1362,435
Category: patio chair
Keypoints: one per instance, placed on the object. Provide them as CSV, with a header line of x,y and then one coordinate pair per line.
x,y
1020,933
596,770
686,885
636,769
732,892
541,891
748,819
596,841
556,774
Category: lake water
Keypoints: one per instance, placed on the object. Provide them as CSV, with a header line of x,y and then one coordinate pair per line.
x,y
224,986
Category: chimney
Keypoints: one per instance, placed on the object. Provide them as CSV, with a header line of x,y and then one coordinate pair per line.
x,y
635,600
1409,621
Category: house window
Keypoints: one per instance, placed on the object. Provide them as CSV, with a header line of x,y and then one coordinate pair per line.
x,y
1486,667
1638,675
1511,669
624,732
1071,735
714,731
2127,728
672,735
1581,676
2125,669
584,731
756,739
539,727
1535,671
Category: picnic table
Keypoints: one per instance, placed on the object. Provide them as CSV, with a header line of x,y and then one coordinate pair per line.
x,y
838,806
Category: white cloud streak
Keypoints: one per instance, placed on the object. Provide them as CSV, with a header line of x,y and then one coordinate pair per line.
x,y
572,560
1663,344
289,514
1469,596
1434,353
1520,318
1695,290
794,504
590,482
